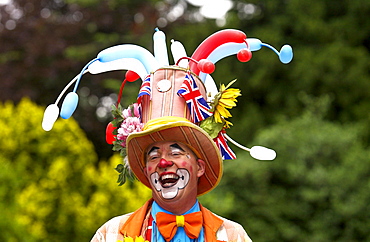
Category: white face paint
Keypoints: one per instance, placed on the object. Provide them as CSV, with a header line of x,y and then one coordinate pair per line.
x,y
170,192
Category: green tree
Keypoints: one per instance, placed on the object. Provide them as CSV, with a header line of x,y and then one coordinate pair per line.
x,y
45,44
317,189
51,188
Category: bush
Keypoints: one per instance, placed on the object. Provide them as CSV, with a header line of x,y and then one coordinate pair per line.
x,y
55,187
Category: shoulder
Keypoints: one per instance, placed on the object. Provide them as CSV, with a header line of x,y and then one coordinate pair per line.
x,y
232,231
110,230
130,224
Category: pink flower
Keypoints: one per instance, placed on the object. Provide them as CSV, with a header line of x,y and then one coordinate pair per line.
x,y
131,111
128,126
136,110
126,113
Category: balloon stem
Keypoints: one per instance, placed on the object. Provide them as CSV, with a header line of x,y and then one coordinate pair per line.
x,y
270,47
120,92
66,87
245,41
185,58
236,143
82,72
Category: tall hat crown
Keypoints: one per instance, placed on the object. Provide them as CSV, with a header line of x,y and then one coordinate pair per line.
x,y
175,103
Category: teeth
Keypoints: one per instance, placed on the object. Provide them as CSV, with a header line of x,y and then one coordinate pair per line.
x,y
169,176
169,180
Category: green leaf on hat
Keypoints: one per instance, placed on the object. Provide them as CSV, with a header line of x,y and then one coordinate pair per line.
x,y
119,168
211,127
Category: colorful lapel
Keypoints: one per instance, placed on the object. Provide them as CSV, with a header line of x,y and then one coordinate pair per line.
x,y
133,226
211,224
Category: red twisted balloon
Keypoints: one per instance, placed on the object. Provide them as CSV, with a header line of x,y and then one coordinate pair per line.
x,y
212,42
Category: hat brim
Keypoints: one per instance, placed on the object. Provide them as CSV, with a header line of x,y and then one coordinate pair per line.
x,y
181,131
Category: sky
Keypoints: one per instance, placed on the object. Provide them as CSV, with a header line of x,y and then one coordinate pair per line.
x,y
3,2
212,8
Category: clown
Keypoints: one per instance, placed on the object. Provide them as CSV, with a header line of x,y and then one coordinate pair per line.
x,y
179,161
173,139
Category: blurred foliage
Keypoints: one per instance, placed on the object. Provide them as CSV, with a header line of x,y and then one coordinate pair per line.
x,y
53,40
317,189
313,112
50,188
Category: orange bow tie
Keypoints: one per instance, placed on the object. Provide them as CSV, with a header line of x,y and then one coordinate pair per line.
x,y
167,224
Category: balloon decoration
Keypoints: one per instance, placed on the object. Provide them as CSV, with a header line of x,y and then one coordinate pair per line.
x,y
132,64
109,137
244,55
139,63
214,41
178,51
160,48
50,116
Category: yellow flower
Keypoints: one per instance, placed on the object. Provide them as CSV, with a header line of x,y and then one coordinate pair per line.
x,y
140,239
130,239
225,99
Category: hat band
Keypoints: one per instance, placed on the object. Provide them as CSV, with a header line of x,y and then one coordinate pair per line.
x,y
153,123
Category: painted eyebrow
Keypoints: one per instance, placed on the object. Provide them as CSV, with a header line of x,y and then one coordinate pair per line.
x,y
176,146
154,148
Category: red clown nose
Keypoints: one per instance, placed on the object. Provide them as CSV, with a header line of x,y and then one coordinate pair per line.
x,y
164,163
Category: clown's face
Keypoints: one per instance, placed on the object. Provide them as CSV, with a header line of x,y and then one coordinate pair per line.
x,y
173,171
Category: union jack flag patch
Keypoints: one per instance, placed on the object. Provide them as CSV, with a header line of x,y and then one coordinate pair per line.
x,y
226,152
145,88
198,106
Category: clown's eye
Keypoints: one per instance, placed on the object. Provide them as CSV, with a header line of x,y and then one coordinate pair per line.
x,y
176,154
153,156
